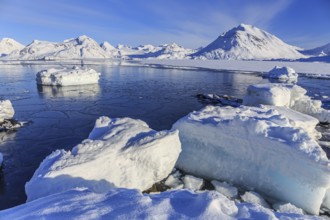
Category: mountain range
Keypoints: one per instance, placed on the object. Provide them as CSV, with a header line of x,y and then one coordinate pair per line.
x,y
244,42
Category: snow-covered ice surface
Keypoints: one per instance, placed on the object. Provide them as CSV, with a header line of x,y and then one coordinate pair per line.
x,y
6,110
118,153
67,77
282,73
131,204
259,148
287,95
310,69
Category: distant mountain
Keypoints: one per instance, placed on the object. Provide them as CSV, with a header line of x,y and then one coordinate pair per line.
x,y
318,51
166,51
8,45
82,47
110,50
246,42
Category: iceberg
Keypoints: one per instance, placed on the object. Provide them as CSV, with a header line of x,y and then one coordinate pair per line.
x,y
6,110
287,95
67,77
118,153
256,148
282,73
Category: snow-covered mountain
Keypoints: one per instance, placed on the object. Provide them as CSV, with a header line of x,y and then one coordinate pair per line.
x,y
82,47
8,45
166,51
246,42
318,51
110,50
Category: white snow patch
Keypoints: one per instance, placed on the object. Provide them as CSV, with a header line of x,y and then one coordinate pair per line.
x,y
254,198
8,45
118,153
6,110
257,148
192,182
67,77
225,188
288,95
282,73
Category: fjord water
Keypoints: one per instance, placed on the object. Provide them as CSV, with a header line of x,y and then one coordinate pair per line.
x,y
61,117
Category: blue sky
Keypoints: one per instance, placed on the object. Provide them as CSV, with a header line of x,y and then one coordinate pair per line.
x,y
191,23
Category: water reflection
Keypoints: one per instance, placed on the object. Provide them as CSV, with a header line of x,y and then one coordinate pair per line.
x,y
91,91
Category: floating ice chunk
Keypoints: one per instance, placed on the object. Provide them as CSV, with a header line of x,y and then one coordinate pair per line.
x,y
287,208
288,95
254,198
224,188
282,73
119,153
192,182
67,77
257,148
6,110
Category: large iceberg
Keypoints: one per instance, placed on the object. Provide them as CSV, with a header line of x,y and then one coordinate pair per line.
x,y
287,95
6,110
131,204
118,153
258,148
67,77
282,73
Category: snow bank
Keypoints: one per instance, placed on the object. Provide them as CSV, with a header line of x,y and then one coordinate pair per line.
x,y
288,95
67,77
282,73
6,110
131,204
257,148
118,153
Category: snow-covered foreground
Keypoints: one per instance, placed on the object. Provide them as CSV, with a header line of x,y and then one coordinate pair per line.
x,y
131,204
258,148
118,153
67,77
309,69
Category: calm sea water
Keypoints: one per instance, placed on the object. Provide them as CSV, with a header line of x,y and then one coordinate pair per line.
x,y
61,117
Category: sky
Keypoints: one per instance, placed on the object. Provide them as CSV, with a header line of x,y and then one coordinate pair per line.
x,y
190,23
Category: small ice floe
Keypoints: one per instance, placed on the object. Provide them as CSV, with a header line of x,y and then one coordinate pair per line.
x,y
287,208
257,148
287,95
67,77
226,189
192,182
6,116
254,198
282,74
120,152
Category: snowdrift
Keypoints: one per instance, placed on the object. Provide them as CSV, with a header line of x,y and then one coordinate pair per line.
x,y
67,77
257,148
288,95
131,204
118,153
